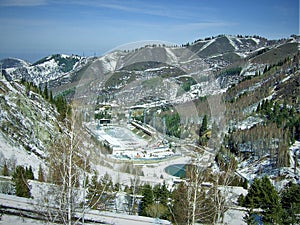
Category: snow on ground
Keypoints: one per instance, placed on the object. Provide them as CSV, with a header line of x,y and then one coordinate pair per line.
x,y
232,42
23,204
18,220
206,45
285,79
18,155
234,217
109,61
256,40
154,172
249,122
171,56
260,167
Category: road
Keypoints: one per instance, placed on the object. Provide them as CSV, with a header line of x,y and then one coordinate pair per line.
x,y
29,208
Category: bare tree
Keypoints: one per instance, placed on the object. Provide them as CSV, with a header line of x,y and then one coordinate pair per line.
x,y
68,164
65,161
201,203
193,201
135,183
221,181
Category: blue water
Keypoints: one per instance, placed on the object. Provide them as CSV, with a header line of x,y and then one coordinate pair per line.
x,y
177,170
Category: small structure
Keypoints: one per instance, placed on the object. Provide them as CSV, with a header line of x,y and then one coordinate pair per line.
x,y
104,122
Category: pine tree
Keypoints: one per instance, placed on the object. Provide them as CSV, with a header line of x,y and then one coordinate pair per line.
x,y
51,97
290,199
45,93
147,200
100,192
94,192
203,127
180,208
271,203
262,194
249,217
41,177
20,182
203,139
29,173
5,170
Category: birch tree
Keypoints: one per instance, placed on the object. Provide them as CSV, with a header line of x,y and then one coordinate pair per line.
x,y
193,201
221,182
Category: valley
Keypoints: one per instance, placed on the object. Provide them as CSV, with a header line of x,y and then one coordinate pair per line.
x,y
224,110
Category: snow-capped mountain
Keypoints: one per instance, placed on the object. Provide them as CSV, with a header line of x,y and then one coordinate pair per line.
x,y
248,87
150,74
13,63
44,70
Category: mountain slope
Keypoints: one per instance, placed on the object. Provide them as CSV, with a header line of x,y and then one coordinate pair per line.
x,y
46,69
28,123
13,63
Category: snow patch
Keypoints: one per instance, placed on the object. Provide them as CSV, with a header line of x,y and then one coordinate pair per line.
x,y
232,43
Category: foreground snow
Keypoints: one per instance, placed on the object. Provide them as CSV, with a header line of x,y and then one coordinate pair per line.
x,y
24,205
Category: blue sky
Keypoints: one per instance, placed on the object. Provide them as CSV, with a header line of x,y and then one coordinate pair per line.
x,y
31,29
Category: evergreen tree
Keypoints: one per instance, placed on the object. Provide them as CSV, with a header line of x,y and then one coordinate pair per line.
x,y
5,171
100,192
94,193
203,139
20,182
45,93
262,194
203,127
147,200
290,200
29,173
249,217
159,209
180,208
51,97
41,177
271,203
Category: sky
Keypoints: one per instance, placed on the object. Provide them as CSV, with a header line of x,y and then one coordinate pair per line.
x,y
32,29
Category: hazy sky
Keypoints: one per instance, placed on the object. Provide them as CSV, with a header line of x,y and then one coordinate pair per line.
x,y
31,29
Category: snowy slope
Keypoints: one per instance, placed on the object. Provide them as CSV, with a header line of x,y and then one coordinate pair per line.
x,y
13,63
28,124
46,69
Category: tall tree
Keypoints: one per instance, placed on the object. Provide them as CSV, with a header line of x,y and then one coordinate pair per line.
x,y
45,93
66,165
21,183
29,173
41,176
180,204
202,137
203,127
262,194
147,200
193,202
5,171
290,199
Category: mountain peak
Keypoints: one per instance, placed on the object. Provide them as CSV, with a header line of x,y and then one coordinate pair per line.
x,y
13,63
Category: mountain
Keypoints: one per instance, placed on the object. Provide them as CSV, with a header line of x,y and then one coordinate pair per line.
x,y
246,88
62,73
13,63
44,70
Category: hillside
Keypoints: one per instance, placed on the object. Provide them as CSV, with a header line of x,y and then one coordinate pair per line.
x,y
28,124
44,70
